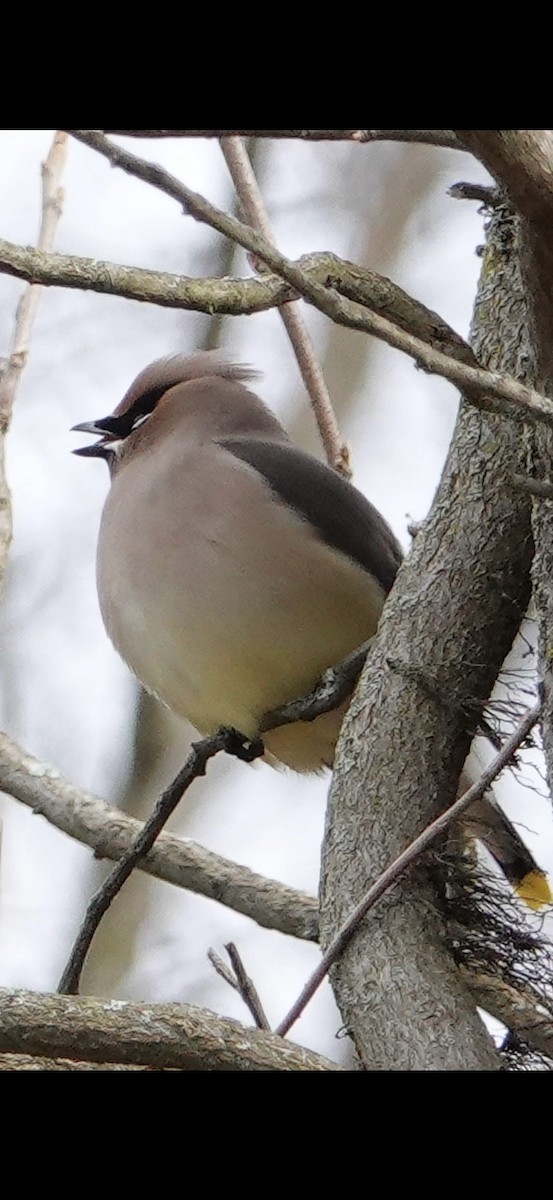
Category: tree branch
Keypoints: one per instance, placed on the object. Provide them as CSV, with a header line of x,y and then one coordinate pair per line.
x,y
426,137
239,980
400,753
12,368
525,1011
479,385
406,859
28,1062
152,1035
542,488
522,162
234,297
407,324
109,832
182,862
334,686
251,203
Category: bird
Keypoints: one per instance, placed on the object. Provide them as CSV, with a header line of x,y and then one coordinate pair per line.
x,y
233,569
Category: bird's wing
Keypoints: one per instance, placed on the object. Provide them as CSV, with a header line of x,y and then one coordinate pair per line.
x,y
342,516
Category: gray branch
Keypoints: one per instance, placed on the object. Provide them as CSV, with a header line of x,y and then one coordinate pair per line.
x,y
452,616
180,1036
426,137
521,161
355,297
110,832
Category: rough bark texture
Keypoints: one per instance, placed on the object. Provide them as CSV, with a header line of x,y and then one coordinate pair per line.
x,y
522,162
446,629
152,1035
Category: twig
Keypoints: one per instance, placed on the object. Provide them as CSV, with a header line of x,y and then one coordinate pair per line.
x,y
329,692
251,203
11,369
536,487
445,138
221,968
327,695
178,1036
479,385
194,767
486,195
241,982
406,859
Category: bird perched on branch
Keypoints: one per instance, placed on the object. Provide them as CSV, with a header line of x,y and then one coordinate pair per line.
x,y
233,569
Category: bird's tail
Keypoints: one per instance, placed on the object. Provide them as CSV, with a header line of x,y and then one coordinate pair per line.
x,y
486,821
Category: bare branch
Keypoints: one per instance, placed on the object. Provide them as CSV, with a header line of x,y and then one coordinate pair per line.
x,y
109,832
334,686
522,162
489,196
408,326
241,982
251,202
182,862
426,137
527,1012
543,488
153,1035
235,297
479,385
12,368
405,860
27,1062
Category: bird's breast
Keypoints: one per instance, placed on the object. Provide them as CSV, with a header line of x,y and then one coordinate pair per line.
x,y
222,600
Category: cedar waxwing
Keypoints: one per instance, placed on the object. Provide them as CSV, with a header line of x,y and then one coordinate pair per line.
x,y
234,569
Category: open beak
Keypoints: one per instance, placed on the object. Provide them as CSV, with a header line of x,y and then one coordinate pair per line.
x,y
97,449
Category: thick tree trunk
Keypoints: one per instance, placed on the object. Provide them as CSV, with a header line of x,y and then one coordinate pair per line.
x,y
446,629
522,162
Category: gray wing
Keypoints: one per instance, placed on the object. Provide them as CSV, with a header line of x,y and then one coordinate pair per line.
x,y
342,516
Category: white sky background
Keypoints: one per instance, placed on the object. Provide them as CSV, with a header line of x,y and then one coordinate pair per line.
x,y
64,694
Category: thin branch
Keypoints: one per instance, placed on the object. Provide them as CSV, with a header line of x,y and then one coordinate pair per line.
x,y
543,488
444,138
406,859
524,1010
180,1036
330,692
233,297
251,203
408,325
180,861
194,767
12,368
479,385
241,982
490,197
